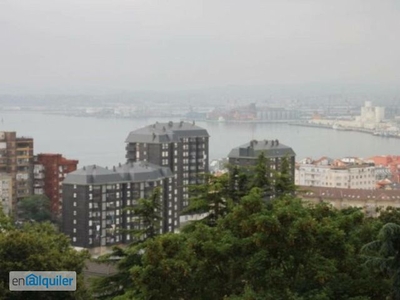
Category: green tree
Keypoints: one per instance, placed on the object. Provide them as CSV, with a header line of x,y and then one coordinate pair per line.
x,y
147,213
286,251
39,247
36,208
211,197
383,255
284,181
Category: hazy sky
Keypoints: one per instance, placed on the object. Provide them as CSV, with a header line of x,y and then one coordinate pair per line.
x,y
84,45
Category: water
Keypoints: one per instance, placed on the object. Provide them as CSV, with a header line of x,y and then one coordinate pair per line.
x,y
102,141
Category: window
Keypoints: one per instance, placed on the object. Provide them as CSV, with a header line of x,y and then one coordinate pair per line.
x,y
165,162
90,188
75,203
74,221
74,195
74,239
165,146
74,212
74,186
74,230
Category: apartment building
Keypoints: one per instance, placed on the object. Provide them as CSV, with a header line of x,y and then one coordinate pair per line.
x,y
16,159
49,173
326,172
95,198
6,193
247,155
182,147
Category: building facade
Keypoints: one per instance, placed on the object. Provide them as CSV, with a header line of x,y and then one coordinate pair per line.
x,y
326,172
6,193
95,201
16,159
368,200
246,155
183,147
49,173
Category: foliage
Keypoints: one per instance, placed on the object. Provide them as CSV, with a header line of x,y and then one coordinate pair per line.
x,y
383,255
120,285
36,208
39,247
291,251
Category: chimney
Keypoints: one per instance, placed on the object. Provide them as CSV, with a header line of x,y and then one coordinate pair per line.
x,y
170,123
84,168
114,169
180,123
119,164
272,143
154,136
266,142
164,129
94,166
193,123
277,142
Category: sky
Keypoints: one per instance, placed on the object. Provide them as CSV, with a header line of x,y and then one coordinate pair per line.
x,y
88,45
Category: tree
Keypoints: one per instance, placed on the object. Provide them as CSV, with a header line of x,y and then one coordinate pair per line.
x,y
284,181
147,212
286,251
211,197
383,255
39,247
36,208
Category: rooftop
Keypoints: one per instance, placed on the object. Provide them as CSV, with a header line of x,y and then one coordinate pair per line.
x,y
131,172
271,148
166,132
339,193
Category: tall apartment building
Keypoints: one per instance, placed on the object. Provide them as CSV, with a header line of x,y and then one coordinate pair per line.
x,y
16,159
326,172
6,193
182,147
49,173
246,155
95,198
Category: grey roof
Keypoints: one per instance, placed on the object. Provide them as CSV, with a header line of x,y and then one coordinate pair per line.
x,y
165,133
131,172
142,171
271,148
92,175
